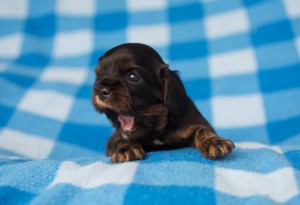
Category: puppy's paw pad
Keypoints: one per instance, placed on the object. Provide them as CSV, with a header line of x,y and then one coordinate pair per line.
x,y
216,147
126,154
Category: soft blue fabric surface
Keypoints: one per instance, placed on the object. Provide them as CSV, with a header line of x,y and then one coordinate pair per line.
x,y
239,61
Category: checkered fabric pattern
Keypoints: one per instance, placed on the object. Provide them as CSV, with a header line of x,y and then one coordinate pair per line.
x,y
239,61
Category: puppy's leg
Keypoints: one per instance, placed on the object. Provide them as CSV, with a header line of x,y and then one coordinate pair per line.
x,y
128,151
112,144
211,145
123,151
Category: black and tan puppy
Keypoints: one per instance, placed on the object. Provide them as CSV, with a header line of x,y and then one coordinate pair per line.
x,y
148,105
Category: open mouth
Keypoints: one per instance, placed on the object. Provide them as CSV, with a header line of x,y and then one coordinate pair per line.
x,y
127,122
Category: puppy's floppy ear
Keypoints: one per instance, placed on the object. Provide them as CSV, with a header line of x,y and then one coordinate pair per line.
x,y
173,90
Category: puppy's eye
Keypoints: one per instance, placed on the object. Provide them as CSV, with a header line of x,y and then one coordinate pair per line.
x,y
134,77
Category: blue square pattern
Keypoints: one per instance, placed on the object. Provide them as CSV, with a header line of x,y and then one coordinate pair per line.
x,y
229,43
103,7
6,113
83,113
90,79
272,33
279,79
94,56
204,106
198,89
35,25
35,125
33,59
13,93
183,31
235,85
275,111
67,23
84,91
197,68
106,194
266,12
252,133
111,21
106,38
82,60
267,146
145,194
187,12
8,195
39,8
19,80
92,137
11,26
35,44
188,50
21,70
250,3
293,158
283,54
291,128
149,174
63,150
296,26
255,161
147,17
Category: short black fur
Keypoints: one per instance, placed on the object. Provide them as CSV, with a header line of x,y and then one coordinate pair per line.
x,y
153,113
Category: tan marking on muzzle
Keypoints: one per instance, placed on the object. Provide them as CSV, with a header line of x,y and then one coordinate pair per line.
x,y
101,103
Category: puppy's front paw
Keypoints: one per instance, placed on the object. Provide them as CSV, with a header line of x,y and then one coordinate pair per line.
x,y
212,146
216,147
128,152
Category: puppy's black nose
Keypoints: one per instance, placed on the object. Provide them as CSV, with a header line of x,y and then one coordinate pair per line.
x,y
105,91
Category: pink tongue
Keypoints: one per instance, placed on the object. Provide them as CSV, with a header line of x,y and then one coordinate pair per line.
x,y
126,122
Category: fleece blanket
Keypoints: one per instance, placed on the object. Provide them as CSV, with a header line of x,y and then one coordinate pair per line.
x,y
239,61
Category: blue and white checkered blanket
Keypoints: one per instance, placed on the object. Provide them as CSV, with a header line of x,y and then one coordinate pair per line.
x,y
240,63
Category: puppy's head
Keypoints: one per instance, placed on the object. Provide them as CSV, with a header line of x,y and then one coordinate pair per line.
x,y
135,88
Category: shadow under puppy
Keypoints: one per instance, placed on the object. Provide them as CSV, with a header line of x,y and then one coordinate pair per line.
x,y
148,105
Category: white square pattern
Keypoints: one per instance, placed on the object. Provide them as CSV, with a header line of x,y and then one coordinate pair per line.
x,y
279,186
233,63
47,103
141,5
73,43
155,35
225,24
292,7
16,9
78,8
36,147
64,75
94,175
11,45
238,111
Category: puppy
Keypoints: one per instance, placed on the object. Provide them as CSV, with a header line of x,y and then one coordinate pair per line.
x,y
148,106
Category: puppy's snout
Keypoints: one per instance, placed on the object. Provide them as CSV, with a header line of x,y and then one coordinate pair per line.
x,y
105,92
